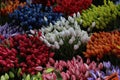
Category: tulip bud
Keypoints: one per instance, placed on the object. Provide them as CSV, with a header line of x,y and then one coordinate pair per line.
x,y
2,78
61,42
76,47
93,24
38,68
27,77
6,76
78,14
11,74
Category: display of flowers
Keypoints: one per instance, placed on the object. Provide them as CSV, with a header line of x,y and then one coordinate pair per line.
x,y
101,17
60,40
65,37
77,69
103,43
69,7
7,30
34,16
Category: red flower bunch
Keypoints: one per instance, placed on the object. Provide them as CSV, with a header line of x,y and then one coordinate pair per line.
x,y
8,59
68,7
103,43
45,2
32,52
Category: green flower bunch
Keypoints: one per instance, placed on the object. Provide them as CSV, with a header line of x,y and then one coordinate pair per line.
x,y
7,76
49,74
100,17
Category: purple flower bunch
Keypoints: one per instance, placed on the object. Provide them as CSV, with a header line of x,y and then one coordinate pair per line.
x,y
109,69
7,30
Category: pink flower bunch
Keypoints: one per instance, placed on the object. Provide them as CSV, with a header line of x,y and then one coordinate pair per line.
x,y
32,52
74,69
8,58
69,7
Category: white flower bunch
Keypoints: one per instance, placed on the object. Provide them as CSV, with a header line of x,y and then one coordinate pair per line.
x,y
65,36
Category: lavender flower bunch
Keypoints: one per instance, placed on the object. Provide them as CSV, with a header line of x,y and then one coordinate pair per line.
x,y
7,30
65,37
109,69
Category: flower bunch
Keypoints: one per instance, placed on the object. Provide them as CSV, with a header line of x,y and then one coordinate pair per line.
x,y
34,16
75,69
32,53
4,77
100,17
33,77
71,70
8,76
63,35
109,69
103,43
9,6
7,30
8,59
68,7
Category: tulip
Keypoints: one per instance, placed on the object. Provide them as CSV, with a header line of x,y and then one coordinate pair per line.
x,y
103,43
31,50
7,30
61,37
34,16
67,7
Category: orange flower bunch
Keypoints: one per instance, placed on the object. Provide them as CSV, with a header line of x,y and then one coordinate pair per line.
x,y
10,6
102,44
